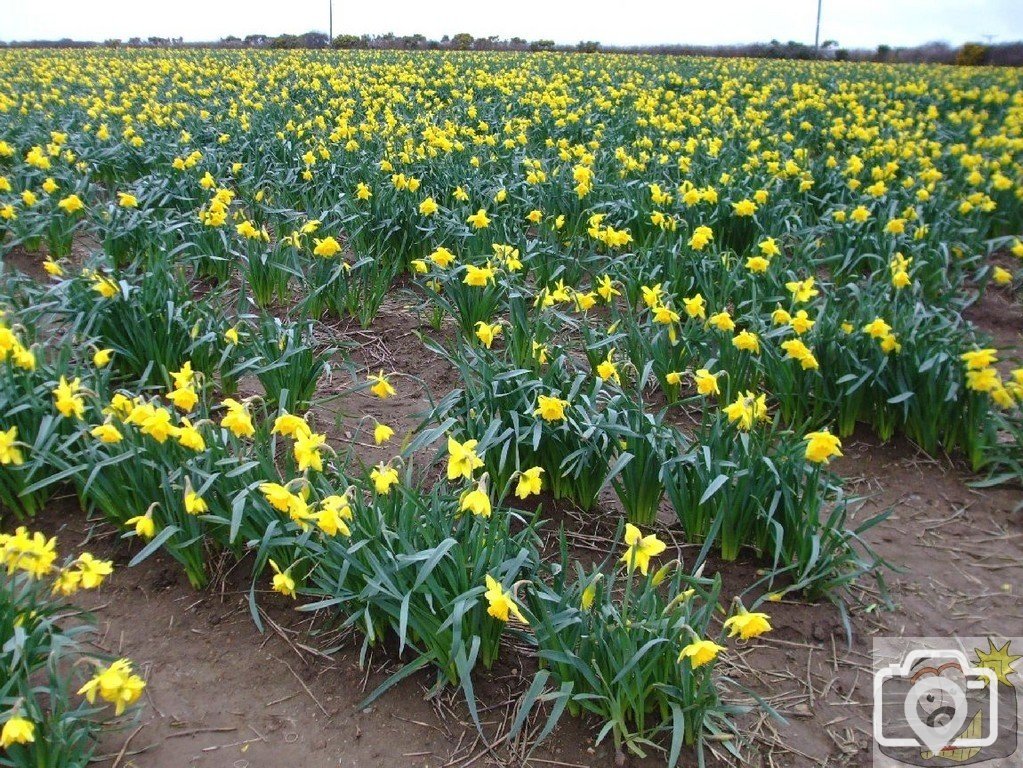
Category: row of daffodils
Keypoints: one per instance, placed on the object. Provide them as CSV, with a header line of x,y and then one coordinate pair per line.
x,y
54,696
670,289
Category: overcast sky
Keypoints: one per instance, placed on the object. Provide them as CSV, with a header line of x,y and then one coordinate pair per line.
x,y
853,23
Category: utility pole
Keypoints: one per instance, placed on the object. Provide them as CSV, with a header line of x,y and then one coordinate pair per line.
x,y
817,34
330,5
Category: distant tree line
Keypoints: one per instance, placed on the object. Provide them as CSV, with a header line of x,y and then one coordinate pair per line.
x,y
973,54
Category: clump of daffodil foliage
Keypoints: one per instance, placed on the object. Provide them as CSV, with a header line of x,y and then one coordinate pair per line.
x,y
54,697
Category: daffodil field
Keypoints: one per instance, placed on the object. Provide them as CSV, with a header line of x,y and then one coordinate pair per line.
x,y
669,289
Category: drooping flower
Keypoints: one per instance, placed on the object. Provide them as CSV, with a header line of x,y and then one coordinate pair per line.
x,y
529,483
382,433
382,387
747,625
478,277
282,581
700,652
145,527
706,382
476,501
500,602
237,419
17,730
307,451
93,572
117,684
290,425
194,503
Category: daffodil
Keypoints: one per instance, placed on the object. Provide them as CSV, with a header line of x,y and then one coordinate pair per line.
x,y
17,730
117,684
184,399
706,382
105,433
550,409
194,503
307,450
382,433
802,290
383,476
442,257
478,277
746,410
237,419
476,501
487,332
700,652
640,549
382,387
500,602
10,452
71,204
93,572
747,625
290,425
326,247
282,581
479,220
822,446
530,482
145,527
462,459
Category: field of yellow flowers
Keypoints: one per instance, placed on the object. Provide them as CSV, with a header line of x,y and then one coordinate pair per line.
x,y
664,291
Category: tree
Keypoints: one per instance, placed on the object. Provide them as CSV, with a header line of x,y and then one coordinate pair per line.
x,y
462,41
314,40
349,42
973,55
285,42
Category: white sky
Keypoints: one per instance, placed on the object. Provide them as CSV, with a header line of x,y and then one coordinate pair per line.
x,y
853,23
